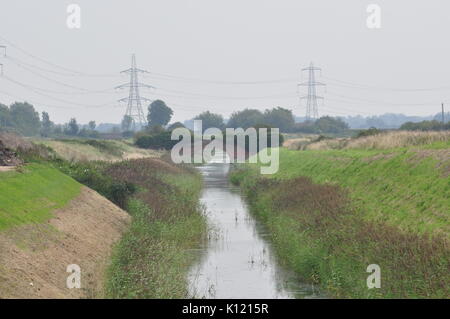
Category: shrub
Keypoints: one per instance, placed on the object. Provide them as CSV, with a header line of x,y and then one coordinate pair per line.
x,y
325,124
127,134
369,132
155,141
104,146
425,126
92,174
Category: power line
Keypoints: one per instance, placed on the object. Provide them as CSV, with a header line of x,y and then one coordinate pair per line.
x,y
135,100
105,91
71,71
52,80
359,100
354,85
183,94
51,97
40,103
343,109
163,76
18,61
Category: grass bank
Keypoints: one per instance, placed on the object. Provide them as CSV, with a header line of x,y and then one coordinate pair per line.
x,y
332,213
152,259
33,193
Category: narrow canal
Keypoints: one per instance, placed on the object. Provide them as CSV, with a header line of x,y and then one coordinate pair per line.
x,y
237,260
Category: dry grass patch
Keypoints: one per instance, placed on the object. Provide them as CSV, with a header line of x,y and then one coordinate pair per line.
x,y
398,139
91,150
386,140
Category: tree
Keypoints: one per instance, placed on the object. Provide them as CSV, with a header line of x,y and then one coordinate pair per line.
x,y
115,129
328,124
92,125
47,125
369,132
5,116
161,140
58,130
127,123
245,119
425,126
155,129
72,128
175,125
159,113
269,136
280,118
25,119
88,133
210,120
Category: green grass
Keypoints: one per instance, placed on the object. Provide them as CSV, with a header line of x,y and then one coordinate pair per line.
x,y
152,259
393,186
31,195
332,213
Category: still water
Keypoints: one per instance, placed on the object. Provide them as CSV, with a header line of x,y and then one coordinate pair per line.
x,y
237,260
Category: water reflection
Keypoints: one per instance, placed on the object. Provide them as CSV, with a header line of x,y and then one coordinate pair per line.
x,y
237,261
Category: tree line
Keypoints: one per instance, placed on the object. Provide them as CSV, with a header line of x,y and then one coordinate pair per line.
x,y
283,119
157,133
22,118
433,125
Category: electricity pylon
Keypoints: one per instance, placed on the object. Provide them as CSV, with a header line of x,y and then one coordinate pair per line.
x,y
312,108
134,99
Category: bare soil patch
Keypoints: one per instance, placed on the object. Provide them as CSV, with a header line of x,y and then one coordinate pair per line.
x,y
34,257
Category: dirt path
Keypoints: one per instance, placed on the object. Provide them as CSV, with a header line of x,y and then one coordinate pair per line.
x,y
34,258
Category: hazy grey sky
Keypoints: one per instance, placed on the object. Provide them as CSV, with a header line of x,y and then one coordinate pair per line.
x,y
231,41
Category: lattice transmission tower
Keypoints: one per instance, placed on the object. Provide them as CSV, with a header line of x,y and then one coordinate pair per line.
x,y
134,99
312,108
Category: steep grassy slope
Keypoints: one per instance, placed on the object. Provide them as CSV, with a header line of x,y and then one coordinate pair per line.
x,y
34,257
409,188
47,222
332,213
29,196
